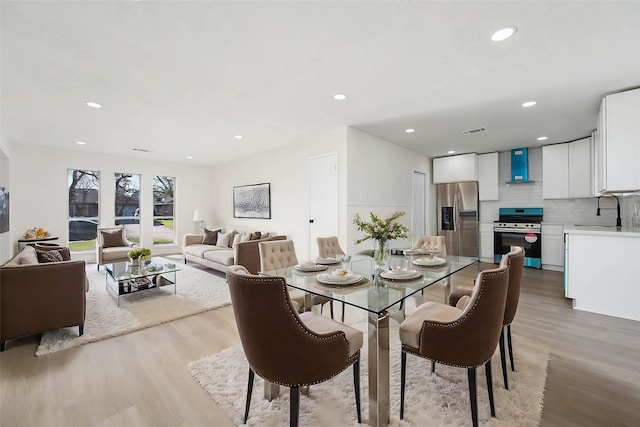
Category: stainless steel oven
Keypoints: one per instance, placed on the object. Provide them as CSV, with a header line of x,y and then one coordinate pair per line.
x,y
519,227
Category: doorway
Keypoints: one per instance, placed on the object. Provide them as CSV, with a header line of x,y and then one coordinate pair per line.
x,y
323,198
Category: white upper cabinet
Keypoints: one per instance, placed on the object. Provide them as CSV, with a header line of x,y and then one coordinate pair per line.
x,y
580,181
455,168
555,171
488,171
566,170
617,148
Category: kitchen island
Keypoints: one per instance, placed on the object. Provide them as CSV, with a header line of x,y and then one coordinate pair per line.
x,y
602,270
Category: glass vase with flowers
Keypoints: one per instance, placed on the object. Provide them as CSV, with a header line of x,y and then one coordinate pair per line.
x,y
381,231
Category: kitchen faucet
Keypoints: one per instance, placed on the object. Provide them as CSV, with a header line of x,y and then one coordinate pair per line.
x,y
618,219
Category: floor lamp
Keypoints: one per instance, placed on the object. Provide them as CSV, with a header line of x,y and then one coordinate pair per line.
x,y
197,217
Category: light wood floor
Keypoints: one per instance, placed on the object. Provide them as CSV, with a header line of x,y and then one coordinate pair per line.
x,y
141,379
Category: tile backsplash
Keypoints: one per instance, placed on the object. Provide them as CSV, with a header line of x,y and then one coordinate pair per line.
x,y
562,211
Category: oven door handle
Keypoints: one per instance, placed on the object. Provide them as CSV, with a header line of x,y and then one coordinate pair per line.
x,y
519,230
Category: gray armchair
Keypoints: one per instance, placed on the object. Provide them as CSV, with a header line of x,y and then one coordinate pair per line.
x,y
111,245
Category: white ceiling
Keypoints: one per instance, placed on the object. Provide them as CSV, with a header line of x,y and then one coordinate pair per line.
x,y
182,78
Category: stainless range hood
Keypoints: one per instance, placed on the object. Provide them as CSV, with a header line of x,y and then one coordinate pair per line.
x,y
519,166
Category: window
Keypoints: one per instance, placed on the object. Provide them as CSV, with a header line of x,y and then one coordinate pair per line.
x,y
84,197
163,230
128,204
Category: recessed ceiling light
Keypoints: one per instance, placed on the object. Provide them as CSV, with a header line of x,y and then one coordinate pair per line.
x,y
238,137
409,130
94,104
339,96
451,152
81,143
503,34
542,138
529,104
189,157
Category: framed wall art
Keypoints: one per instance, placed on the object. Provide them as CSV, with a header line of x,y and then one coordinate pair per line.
x,y
252,201
4,210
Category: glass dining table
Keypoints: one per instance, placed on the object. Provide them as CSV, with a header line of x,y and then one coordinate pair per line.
x,y
374,294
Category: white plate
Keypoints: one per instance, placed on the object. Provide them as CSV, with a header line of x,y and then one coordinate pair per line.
x,y
329,279
327,261
400,275
429,262
310,267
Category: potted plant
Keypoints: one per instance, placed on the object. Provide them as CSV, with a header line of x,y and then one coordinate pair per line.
x,y
136,254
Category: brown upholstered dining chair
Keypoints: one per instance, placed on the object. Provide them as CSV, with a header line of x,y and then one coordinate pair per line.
x,y
515,261
329,247
465,338
278,255
286,348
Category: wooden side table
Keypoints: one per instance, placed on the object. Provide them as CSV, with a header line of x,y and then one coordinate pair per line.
x,y
24,242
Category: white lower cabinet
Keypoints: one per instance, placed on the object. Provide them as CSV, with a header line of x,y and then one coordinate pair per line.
x,y
486,241
601,272
552,247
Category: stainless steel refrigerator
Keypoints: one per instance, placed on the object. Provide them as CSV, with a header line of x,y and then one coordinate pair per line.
x,y
458,217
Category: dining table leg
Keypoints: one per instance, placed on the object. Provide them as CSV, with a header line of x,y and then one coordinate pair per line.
x,y
379,369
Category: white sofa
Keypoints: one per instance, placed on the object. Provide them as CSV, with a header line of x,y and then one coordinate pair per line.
x,y
219,257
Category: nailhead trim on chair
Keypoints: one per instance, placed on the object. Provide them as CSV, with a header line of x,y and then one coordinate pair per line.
x,y
350,360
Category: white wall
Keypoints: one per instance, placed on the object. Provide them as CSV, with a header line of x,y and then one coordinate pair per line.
x,y
373,176
380,177
287,170
39,192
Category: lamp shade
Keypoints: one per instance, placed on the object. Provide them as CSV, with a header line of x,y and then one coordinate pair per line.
x,y
197,216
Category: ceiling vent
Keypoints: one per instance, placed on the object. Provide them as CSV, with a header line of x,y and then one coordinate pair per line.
x,y
476,130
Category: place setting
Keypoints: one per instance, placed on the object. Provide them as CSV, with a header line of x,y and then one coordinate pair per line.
x,y
339,277
400,274
310,267
327,261
429,260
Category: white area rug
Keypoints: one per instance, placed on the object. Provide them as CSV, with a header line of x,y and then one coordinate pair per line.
x,y
440,399
197,291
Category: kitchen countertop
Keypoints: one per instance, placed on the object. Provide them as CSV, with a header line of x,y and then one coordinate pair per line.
x,y
602,230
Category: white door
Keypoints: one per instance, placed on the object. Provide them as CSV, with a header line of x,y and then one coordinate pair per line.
x,y
418,218
323,199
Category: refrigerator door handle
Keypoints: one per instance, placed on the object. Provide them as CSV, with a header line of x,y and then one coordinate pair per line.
x,y
456,213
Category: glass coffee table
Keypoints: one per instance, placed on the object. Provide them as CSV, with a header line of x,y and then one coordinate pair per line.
x,y
123,279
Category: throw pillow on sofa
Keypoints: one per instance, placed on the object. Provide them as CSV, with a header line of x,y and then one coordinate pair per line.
x,y
28,255
223,240
63,251
49,256
211,236
236,239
